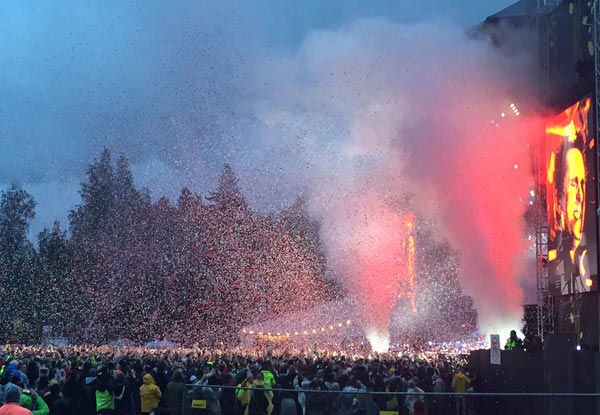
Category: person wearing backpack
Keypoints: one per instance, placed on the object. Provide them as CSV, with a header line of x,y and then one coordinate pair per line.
x,y
243,395
261,398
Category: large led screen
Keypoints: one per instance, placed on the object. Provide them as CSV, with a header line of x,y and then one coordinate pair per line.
x,y
571,201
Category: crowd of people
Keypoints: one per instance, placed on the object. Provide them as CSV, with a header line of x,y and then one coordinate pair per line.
x,y
131,381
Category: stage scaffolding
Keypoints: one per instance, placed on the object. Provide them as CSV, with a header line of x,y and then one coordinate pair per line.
x,y
545,303
596,14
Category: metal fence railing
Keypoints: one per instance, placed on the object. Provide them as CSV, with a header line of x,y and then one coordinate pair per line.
x,y
230,400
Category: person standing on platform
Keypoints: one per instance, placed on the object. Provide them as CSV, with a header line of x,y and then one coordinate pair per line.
x,y
513,342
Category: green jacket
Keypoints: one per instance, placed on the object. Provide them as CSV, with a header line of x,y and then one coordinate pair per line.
x,y
40,405
104,400
513,344
243,395
269,377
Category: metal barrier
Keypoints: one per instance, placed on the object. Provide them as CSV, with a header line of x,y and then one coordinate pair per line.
x,y
204,399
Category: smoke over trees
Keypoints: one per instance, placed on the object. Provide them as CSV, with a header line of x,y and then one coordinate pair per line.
x,y
197,270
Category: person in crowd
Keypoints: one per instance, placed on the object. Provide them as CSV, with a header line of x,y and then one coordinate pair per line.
x,y
34,402
74,394
33,371
105,401
122,394
393,386
60,376
513,342
351,402
261,398
439,402
267,372
332,385
11,370
316,402
175,393
158,374
227,396
134,382
460,384
89,393
411,399
12,398
150,394
243,395
379,386
298,385
23,374
211,392
41,384
53,393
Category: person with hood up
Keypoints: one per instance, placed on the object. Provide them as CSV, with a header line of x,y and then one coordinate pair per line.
x,y
12,397
149,394
11,371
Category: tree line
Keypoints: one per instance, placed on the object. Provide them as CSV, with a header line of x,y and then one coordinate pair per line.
x,y
196,270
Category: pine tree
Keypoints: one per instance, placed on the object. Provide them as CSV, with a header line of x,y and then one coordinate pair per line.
x,y
110,230
90,221
17,264
60,296
17,210
228,196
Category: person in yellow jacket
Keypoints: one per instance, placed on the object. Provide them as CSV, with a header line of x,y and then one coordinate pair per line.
x,y
149,394
460,384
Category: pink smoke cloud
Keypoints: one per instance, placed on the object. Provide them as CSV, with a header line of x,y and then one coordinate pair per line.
x,y
389,119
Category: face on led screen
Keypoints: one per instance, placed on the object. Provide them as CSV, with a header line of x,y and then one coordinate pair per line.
x,y
574,192
570,189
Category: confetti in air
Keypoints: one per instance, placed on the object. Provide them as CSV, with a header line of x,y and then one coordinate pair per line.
x,y
349,190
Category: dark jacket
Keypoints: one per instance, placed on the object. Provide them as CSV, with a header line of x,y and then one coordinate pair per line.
x,y
89,397
174,396
123,394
